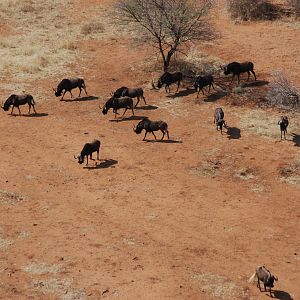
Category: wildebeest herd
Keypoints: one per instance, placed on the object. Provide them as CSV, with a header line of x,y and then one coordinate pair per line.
x,y
123,97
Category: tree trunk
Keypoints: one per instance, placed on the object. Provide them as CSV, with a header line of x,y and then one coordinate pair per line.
x,y
168,59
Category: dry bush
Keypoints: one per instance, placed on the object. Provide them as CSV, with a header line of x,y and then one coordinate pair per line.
x,y
92,27
252,10
296,5
282,93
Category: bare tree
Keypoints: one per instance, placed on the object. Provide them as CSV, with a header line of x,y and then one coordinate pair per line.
x,y
170,25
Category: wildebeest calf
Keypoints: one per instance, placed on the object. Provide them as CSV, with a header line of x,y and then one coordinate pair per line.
x,y
202,81
87,151
219,119
236,69
67,85
17,100
151,126
283,123
117,103
264,275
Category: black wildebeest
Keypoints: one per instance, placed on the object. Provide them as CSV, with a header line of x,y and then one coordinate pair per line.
x,y
87,151
219,119
202,81
264,275
151,126
117,103
236,69
169,78
17,100
283,123
67,85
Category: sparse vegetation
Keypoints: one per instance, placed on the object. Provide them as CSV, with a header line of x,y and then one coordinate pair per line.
x,y
291,173
252,10
282,93
92,27
296,5
10,198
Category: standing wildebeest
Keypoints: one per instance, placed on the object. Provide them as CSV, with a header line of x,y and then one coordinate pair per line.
x,y
117,103
236,69
202,81
264,275
284,123
134,93
66,85
219,119
151,126
168,78
87,151
17,100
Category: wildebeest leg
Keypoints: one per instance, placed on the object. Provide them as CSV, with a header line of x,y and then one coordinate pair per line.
x,y
132,111
145,135
178,86
19,110
252,71
33,108
144,99
238,78
29,108
87,160
98,155
168,134
63,95
71,94
153,134
271,292
281,134
163,134
124,111
213,86
202,91
232,78
138,100
248,75
79,91
258,284
84,89
12,110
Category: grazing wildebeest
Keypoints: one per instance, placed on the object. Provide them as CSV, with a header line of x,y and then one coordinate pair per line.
x,y
264,275
67,85
151,126
87,151
169,78
134,93
219,119
17,100
202,81
117,103
236,69
284,123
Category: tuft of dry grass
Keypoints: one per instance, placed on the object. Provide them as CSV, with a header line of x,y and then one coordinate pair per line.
x,y
10,198
92,27
291,173
246,173
42,268
5,243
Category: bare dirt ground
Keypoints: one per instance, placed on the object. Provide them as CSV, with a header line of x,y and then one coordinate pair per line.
x,y
186,219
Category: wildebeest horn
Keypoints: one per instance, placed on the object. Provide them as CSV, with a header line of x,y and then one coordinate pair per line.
x,y
275,277
153,85
54,89
75,156
100,106
111,93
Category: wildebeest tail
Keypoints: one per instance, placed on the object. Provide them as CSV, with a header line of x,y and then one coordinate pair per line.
x,y
251,279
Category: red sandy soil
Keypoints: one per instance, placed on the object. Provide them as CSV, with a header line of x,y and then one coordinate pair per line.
x,y
146,223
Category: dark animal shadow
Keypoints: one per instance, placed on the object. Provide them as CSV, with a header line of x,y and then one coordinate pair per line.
x,y
77,99
131,118
296,139
233,133
183,93
37,115
216,96
281,295
147,107
104,164
254,83
164,141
